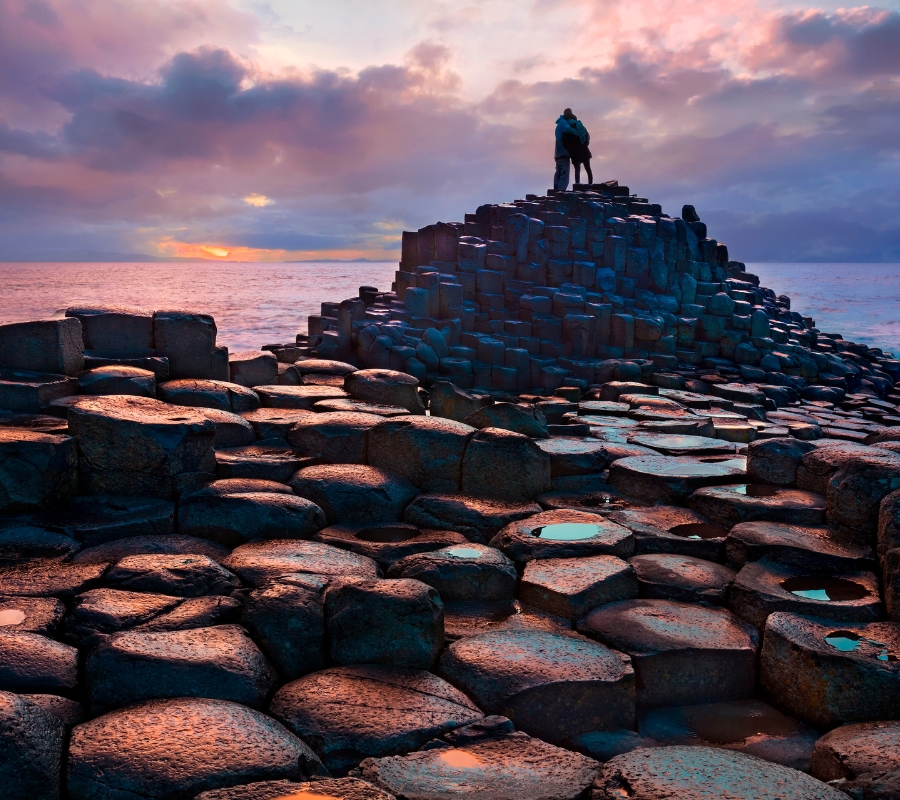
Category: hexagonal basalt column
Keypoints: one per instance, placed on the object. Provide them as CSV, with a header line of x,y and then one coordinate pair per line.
x,y
550,685
680,651
749,502
669,479
828,673
563,534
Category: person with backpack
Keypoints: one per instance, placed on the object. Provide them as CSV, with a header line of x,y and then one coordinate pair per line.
x,y
580,152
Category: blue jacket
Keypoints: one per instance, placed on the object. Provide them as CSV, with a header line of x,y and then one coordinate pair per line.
x,y
562,126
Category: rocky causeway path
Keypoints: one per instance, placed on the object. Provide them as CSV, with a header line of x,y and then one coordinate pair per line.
x,y
577,510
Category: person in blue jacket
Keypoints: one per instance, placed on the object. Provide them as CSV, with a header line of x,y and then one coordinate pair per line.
x,y
565,135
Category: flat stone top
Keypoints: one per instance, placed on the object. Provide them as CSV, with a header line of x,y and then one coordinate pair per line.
x,y
677,467
681,442
142,410
665,567
423,424
360,475
24,436
578,574
602,408
172,741
518,659
762,494
874,643
662,517
864,747
320,392
328,789
95,311
570,445
817,539
511,767
323,366
384,376
705,773
647,627
259,561
325,420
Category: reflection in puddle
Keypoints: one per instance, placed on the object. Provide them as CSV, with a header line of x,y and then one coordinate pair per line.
x,y
823,588
304,795
386,534
729,723
567,531
463,552
11,616
757,490
845,641
460,759
700,530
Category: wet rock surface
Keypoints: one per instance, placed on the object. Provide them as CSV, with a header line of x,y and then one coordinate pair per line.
x,y
563,534
550,685
461,572
827,673
705,774
512,767
763,587
677,648
186,746
674,577
347,714
746,726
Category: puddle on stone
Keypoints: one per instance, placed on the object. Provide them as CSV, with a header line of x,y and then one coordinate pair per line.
x,y
709,469
699,530
567,531
757,490
845,641
460,759
726,724
824,588
11,616
304,795
463,552
387,534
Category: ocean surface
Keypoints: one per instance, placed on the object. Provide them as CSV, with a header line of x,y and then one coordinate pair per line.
x,y
264,303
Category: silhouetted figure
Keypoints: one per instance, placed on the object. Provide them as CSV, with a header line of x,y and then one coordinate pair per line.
x,y
579,151
565,133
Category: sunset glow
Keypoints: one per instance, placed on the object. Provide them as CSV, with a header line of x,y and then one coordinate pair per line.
x,y
318,130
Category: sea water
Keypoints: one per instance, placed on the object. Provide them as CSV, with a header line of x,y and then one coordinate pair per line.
x,y
267,303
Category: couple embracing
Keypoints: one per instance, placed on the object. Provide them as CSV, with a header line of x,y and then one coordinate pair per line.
x,y
572,140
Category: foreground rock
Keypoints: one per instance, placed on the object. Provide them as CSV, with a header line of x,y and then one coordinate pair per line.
x,y
355,494
397,622
187,746
347,714
563,534
37,470
704,773
679,649
827,673
233,519
746,726
221,663
258,562
510,767
862,758
139,446
551,686
339,788
31,750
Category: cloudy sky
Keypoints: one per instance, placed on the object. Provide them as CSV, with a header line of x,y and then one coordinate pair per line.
x,y
293,129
